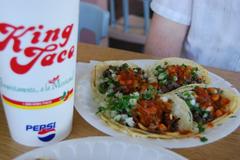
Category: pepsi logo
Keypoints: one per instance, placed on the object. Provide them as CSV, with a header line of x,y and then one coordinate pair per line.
x,y
46,135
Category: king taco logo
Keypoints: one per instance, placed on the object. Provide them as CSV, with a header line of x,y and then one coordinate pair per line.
x,y
45,132
36,45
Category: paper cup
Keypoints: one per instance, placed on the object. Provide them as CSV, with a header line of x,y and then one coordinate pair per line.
x,y
38,47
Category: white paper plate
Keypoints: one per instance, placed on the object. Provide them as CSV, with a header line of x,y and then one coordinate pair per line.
x,y
101,148
86,107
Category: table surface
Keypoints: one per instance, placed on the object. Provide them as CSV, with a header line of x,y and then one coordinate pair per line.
x,y
226,148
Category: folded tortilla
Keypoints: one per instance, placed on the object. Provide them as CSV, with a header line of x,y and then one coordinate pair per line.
x,y
231,108
97,73
186,126
201,72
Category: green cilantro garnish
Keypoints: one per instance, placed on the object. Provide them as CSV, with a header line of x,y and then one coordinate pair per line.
x,y
184,65
194,73
122,105
149,93
101,109
195,68
112,94
162,76
220,91
124,66
103,87
200,128
159,69
203,139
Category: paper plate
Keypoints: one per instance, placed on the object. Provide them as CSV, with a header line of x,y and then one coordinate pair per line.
x,y
101,148
86,107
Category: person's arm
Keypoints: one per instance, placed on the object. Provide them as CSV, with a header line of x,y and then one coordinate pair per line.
x,y
165,38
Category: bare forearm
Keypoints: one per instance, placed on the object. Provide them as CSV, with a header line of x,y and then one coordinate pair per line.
x,y
165,38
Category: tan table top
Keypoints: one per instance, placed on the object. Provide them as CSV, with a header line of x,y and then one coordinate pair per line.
x,y
226,148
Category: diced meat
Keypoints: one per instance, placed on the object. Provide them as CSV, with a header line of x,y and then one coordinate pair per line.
x,y
155,115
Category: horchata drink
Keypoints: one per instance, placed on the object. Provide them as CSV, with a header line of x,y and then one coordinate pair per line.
x,y
38,47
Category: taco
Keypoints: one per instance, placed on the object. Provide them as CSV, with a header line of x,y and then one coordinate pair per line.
x,y
136,102
153,117
111,77
209,106
172,73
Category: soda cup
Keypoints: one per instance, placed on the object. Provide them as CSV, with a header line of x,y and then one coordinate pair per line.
x,y
38,48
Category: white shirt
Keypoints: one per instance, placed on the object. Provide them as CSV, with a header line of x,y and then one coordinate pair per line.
x,y
214,34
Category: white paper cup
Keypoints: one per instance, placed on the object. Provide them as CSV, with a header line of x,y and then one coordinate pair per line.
x,y
38,47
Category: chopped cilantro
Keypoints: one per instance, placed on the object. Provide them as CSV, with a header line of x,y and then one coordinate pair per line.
x,y
175,78
200,115
149,93
159,69
113,68
124,66
192,107
163,82
195,68
122,105
220,91
200,128
103,87
203,139
162,76
107,84
186,95
101,109
111,94
184,65
194,73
